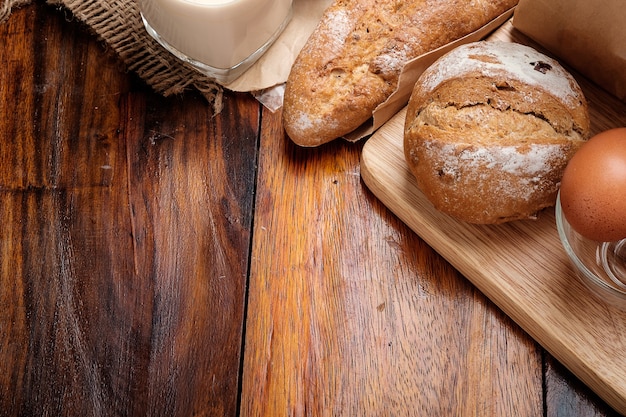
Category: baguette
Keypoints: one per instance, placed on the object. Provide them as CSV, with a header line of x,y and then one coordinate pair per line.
x,y
352,60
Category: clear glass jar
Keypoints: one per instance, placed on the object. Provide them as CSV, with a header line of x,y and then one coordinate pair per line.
x,y
220,38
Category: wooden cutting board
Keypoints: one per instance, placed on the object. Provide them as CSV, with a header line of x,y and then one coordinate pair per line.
x,y
520,266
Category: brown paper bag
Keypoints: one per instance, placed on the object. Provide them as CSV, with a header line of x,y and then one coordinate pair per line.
x,y
588,35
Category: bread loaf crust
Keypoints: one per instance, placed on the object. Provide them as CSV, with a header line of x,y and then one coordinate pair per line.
x,y
489,130
352,61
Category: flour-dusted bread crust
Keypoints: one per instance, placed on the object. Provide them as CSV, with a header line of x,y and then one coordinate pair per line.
x,y
352,61
489,129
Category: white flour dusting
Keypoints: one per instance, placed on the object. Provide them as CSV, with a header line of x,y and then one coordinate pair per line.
x,y
496,58
339,27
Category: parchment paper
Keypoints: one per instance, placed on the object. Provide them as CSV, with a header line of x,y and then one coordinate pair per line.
x,y
588,35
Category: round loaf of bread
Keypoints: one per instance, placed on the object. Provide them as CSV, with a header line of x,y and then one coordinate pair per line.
x,y
489,129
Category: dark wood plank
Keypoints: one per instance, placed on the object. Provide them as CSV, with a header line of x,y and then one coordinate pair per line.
x,y
190,191
126,231
567,396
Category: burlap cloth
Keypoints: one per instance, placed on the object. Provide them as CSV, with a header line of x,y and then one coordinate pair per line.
x,y
118,23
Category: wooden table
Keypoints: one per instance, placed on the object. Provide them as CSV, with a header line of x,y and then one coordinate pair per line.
x,y
157,260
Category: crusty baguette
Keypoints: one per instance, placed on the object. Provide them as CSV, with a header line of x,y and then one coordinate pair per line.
x,y
352,60
489,129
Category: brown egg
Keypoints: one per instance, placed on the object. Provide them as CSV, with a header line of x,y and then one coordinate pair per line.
x,y
593,188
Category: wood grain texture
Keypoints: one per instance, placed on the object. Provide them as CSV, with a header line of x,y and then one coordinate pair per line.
x,y
351,314
521,266
126,227
140,237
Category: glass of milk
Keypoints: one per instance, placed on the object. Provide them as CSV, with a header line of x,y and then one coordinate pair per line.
x,y
220,38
